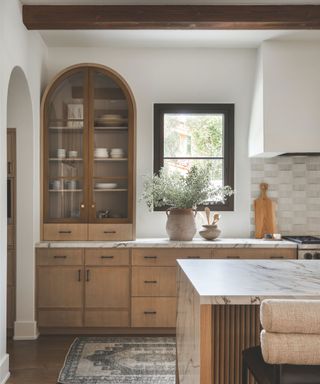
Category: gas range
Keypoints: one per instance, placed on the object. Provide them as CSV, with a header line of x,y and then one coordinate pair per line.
x,y
308,246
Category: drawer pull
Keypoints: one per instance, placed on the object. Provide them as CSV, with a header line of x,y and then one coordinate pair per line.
x,y
65,232
233,257
79,275
59,257
150,312
109,232
107,257
150,282
193,257
150,257
88,275
276,257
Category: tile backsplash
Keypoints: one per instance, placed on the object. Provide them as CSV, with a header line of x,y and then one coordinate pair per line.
x,y
294,184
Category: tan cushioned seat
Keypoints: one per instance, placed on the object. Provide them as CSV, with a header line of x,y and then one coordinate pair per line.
x,y
290,316
283,348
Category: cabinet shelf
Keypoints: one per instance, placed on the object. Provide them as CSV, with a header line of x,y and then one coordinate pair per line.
x,y
110,190
65,190
66,159
66,129
111,159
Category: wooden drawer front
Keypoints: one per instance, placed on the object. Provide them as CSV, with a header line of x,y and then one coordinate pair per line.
x,y
110,232
65,232
106,318
166,257
60,256
153,281
11,236
60,318
153,312
255,253
107,257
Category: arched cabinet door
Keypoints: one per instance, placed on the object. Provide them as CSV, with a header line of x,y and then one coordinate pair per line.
x,y
88,167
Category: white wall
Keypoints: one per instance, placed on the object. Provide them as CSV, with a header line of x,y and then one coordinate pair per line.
x,y
184,76
27,51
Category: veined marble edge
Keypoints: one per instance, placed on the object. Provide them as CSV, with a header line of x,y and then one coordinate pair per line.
x,y
165,243
248,300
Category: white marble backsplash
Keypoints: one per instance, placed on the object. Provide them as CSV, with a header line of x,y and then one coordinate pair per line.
x,y
294,184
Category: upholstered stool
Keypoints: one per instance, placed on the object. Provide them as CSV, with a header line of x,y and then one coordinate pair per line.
x,y
290,344
264,373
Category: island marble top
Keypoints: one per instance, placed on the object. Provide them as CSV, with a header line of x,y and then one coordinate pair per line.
x,y
251,281
166,243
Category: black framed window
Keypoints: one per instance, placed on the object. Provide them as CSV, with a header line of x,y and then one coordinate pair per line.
x,y
187,134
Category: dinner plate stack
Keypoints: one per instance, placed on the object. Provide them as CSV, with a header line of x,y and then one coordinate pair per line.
x,y
101,152
117,153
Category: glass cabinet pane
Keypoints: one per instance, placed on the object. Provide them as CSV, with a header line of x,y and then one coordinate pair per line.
x,y
65,149
110,150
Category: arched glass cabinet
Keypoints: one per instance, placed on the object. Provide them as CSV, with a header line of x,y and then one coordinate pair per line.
x,y
88,159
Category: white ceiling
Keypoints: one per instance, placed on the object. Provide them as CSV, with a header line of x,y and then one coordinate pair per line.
x,y
170,38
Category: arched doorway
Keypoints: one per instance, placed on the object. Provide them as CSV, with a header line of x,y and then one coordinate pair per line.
x,y
19,117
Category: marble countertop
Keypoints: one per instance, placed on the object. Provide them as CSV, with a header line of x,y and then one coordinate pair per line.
x,y
165,243
250,281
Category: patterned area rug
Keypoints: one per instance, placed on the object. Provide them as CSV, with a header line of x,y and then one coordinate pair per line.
x,y
120,360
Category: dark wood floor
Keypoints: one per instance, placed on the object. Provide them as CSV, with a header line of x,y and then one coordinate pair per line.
x,y
39,361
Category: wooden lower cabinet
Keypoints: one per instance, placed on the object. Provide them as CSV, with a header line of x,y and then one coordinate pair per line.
x,y
119,287
60,296
107,297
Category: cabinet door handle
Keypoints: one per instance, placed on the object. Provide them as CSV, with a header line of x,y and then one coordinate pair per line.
x,y
109,231
276,257
193,257
88,275
59,257
150,312
233,257
79,275
150,281
107,257
65,232
9,167
150,257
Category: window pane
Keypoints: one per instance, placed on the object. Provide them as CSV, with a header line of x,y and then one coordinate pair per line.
x,y
183,165
193,135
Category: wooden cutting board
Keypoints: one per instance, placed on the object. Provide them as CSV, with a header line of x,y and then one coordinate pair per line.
x,y
265,216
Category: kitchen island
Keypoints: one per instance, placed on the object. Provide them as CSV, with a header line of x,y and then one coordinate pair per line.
x,y
218,311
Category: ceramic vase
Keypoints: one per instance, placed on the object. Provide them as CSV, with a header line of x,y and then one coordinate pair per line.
x,y
181,224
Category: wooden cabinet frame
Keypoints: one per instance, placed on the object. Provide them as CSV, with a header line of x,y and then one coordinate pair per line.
x,y
88,211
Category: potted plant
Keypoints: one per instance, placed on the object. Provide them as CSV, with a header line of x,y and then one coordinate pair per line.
x,y
182,193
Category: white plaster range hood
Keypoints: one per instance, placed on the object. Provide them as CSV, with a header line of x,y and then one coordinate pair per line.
x,y
285,117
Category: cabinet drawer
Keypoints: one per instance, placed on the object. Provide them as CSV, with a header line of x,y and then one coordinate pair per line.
x,y
60,256
60,318
255,253
153,312
97,318
153,281
166,257
110,232
107,257
65,232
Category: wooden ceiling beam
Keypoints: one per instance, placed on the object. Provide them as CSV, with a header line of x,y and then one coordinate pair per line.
x,y
40,17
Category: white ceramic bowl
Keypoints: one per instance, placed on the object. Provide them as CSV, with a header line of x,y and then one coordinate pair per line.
x,y
106,185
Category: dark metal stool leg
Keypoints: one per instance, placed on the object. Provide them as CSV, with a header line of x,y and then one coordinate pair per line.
x,y
244,372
